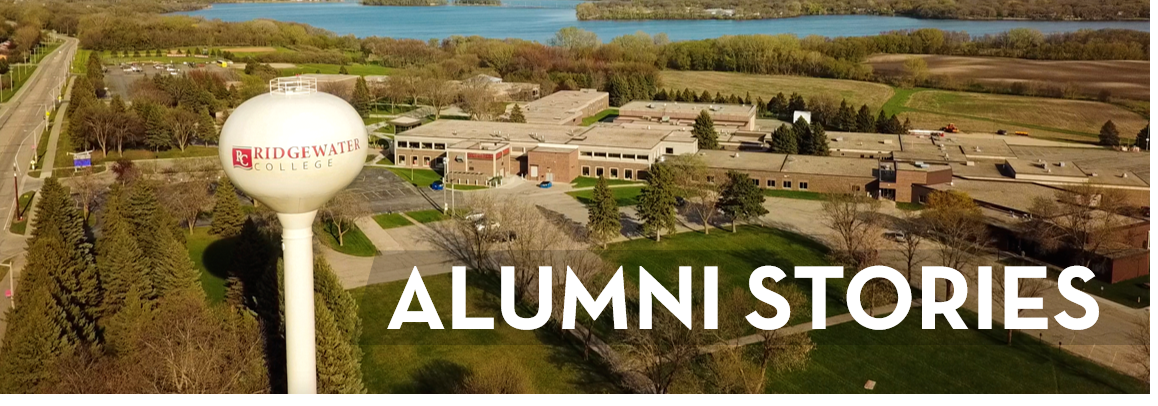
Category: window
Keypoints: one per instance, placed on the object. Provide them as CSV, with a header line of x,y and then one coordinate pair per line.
x,y
627,174
669,150
711,179
856,188
598,171
614,173
586,171
616,156
771,183
414,160
439,146
601,155
402,159
788,184
585,153
427,145
426,160
803,185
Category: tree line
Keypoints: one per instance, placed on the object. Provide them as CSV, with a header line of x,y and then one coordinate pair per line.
x,y
115,305
933,9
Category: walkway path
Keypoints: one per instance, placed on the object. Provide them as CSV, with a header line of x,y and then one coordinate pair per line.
x,y
54,135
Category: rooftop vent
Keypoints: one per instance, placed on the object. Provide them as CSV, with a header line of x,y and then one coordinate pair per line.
x,y
1061,164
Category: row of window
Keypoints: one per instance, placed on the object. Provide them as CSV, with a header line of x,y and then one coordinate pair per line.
x,y
421,145
611,173
413,160
612,155
771,183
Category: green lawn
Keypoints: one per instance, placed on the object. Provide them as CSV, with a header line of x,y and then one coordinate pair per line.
x,y
353,69
908,359
354,242
1128,292
191,151
910,206
426,216
614,111
417,177
15,79
79,67
736,255
793,194
624,196
372,120
391,220
415,359
19,227
213,256
582,182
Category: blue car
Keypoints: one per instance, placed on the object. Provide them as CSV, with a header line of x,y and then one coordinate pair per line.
x,y
545,185
437,185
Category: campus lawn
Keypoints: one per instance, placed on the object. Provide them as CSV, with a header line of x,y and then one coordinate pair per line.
x,y
910,206
426,216
79,65
908,359
212,255
19,227
624,196
415,359
735,254
391,220
614,111
191,151
353,69
354,242
793,194
583,182
1129,292
417,177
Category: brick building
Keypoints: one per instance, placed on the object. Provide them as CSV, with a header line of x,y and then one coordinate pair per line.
x,y
817,174
724,116
566,107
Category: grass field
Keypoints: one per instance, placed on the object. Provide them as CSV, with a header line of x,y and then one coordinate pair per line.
x,y
212,255
582,182
1130,79
19,227
354,242
391,220
614,111
79,67
426,216
417,177
908,359
15,79
766,86
624,196
1070,117
191,151
415,359
793,194
353,69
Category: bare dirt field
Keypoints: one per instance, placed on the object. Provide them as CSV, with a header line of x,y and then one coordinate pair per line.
x,y
766,86
1073,119
250,49
1125,79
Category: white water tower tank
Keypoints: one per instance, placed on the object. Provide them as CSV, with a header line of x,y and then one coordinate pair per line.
x,y
295,147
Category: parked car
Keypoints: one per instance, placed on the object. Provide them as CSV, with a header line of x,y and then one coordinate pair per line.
x,y
1001,132
545,184
437,185
680,201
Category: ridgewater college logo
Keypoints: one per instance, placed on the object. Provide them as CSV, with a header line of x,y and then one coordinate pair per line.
x,y
295,158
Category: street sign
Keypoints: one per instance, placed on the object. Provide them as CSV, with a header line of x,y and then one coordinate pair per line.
x,y
82,159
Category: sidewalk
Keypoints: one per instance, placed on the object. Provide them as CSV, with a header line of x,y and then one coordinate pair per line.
x,y
54,136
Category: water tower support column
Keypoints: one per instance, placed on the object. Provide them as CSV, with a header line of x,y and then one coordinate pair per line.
x,y
298,250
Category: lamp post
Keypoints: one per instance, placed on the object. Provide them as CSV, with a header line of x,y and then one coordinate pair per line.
x,y
292,149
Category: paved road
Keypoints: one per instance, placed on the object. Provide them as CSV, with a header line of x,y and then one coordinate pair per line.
x,y
21,121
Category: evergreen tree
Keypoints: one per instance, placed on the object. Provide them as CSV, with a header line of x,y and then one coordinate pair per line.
x,y
362,98
720,98
819,140
784,140
517,114
732,99
207,126
227,215
661,95
603,214
778,104
119,261
704,130
157,124
687,96
802,131
894,126
741,198
864,120
60,257
657,201
36,336
343,71
338,368
1142,141
845,117
796,103
1109,134
906,126
761,107
704,97
748,98
882,123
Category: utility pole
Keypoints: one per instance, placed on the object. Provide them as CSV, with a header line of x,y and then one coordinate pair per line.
x,y
16,189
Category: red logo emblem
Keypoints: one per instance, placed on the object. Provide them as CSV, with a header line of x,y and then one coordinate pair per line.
x,y
243,157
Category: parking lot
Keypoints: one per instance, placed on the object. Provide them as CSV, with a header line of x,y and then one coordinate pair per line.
x,y
389,193
119,78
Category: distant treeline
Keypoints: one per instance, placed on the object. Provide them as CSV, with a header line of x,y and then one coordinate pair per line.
x,y
411,3
938,9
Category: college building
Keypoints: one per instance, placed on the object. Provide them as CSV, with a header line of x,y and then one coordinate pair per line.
x,y
726,117
566,107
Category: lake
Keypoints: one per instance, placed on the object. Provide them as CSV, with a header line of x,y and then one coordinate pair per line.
x,y
520,19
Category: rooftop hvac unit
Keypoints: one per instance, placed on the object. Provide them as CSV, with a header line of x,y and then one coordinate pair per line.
x,y
1061,164
1125,175
919,163
970,163
651,105
976,149
838,139
737,155
1093,174
887,142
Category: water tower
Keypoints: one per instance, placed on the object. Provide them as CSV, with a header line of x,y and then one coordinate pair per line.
x,y
293,149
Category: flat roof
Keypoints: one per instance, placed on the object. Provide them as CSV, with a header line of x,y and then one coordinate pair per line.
x,y
830,165
982,147
667,108
863,141
743,161
1013,195
495,131
625,137
561,106
1045,168
922,148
